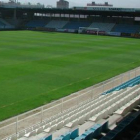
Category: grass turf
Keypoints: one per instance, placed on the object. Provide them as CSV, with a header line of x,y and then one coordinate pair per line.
x,y
37,67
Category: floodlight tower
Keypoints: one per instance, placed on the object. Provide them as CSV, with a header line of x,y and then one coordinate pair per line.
x,y
15,12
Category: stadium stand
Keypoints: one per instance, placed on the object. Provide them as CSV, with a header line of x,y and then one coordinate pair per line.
x,y
95,110
5,24
57,24
107,27
15,22
69,135
137,137
126,28
121,131
129,83
47,138
2,25
76,24
65,24
36,23
94,132
62,24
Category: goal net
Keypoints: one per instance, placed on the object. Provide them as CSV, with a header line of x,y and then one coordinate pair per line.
x,y
88,30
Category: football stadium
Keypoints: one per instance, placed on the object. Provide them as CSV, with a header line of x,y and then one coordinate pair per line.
x,y
69,73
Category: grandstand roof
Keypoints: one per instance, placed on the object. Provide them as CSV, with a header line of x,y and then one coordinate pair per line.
x,y
130,12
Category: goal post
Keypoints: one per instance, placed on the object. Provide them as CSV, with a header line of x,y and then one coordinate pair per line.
x,y
88,29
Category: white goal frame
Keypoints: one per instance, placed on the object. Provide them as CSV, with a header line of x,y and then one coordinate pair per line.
x,y
88,28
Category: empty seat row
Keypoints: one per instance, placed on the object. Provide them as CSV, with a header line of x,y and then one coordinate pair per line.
x,y
76,24
107,27
114,104
24,133
137,137
4,24
57,24
94,110
125,28
125,125
93,132
47,138
36,23
129,83
69,135
135,100
102,110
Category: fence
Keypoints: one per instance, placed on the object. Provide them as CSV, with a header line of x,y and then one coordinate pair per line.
x,y
35,118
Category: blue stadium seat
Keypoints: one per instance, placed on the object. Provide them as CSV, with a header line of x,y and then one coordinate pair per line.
x,y
93,132
2,25
125,28
5,24
57,24
137,137
69,135
65,137
110,136
47,138
124,125
89,137
76,24
105,127
130,83
107,27
97,132
74,134
82,137
36,23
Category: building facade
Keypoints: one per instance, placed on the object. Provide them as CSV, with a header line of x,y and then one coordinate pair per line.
x,y
62,4
97,4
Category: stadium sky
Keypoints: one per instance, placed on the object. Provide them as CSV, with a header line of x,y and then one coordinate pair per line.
x,y
116,3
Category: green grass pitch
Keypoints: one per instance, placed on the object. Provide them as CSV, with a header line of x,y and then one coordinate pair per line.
x,y
38,67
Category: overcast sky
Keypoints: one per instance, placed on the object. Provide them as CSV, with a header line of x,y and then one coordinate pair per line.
x,y
116,3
